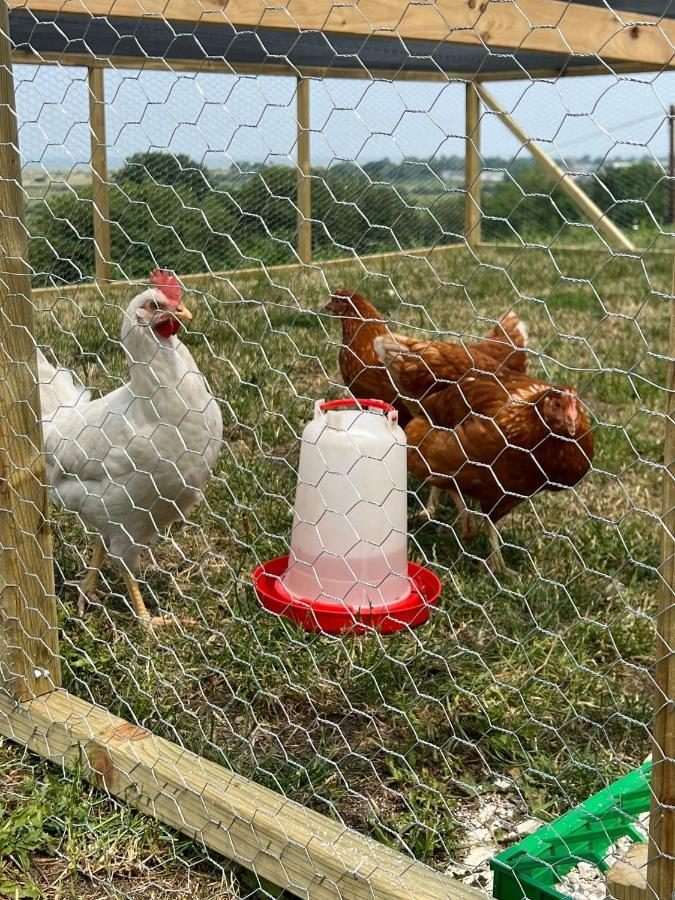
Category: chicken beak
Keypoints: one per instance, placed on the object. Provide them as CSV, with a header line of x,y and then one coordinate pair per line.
x,y
571,417
328,307
182,312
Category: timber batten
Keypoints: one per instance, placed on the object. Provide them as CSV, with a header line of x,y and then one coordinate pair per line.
x,y
280,840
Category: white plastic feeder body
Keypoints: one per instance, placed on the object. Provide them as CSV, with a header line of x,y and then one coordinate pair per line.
x,y
349,539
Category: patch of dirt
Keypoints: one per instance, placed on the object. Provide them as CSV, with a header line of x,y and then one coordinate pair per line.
x,y
492,822
497,820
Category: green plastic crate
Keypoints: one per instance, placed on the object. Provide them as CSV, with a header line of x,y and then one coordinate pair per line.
x,y
533,867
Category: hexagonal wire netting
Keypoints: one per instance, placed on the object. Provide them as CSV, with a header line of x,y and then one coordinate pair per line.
x,y
530,686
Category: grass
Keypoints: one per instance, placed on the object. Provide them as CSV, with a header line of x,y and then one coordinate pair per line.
x,y
541,678
60,838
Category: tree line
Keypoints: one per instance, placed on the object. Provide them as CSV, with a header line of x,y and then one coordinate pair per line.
x,y
168,210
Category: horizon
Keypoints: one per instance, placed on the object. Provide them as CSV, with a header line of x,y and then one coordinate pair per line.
x,y
245,165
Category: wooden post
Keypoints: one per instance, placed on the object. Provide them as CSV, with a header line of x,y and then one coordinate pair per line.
x,y
671,165
627,880
472,210
29,649
99,173
661,867
304,172
563,179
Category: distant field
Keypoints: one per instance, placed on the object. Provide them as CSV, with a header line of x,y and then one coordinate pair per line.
x,y
540,679
38,182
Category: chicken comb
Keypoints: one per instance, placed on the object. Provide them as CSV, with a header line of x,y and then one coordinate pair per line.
x,y
168,284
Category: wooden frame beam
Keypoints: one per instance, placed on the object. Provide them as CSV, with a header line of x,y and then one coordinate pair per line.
x,y
297,848
472,168
193,281
551,26
562,179
252,70
29,650
661,865
304,170
99,174
25,57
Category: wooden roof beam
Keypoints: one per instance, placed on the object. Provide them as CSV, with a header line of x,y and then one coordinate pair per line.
x,y
550,26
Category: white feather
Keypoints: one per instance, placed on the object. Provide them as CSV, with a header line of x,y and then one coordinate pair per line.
x,y
522,328
58,388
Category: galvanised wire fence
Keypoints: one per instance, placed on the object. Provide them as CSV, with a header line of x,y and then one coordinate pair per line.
x,y
172,450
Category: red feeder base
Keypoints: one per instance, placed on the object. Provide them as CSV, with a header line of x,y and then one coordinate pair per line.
x,y
337,618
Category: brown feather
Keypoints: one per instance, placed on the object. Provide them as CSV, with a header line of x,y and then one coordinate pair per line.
x,y
361,370
507,342
365,375
500,449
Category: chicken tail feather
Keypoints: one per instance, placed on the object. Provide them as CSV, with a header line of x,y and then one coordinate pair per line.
x,y
507,342
390,347
512,328
58,388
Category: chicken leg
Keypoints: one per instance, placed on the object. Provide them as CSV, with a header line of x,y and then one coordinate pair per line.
x,y
87,587
466,520
138,603
467,527
495,561
434,502
141,610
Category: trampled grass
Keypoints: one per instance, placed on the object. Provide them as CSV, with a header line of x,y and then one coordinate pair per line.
x,y
539,677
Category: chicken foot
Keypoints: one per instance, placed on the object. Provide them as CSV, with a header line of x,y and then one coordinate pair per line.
x,y
141,610
89,593
87,587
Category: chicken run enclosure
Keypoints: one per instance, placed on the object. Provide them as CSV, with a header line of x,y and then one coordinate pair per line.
x,y
290,163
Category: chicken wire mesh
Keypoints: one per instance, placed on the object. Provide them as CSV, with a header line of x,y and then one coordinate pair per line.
x,y
530,687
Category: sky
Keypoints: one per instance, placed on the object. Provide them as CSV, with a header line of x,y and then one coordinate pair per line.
x,y
222,119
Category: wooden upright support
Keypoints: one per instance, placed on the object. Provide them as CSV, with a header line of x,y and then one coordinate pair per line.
x,y
627,880
304,172
472,211
671,165
99,173
561,178
661,866
29,650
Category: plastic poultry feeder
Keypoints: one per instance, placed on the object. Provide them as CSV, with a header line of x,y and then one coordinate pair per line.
x,y
348,568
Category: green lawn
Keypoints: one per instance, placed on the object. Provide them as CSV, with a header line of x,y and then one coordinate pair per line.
x,y
540,679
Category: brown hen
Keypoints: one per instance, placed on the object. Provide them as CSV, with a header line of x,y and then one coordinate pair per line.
x,y
365,376
497,438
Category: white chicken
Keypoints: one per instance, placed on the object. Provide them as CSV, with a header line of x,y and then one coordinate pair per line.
x,y
135,460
